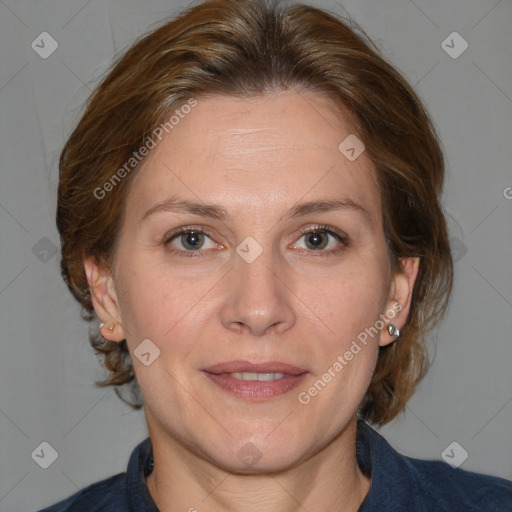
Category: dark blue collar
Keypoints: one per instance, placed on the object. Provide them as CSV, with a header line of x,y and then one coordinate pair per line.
x,y
390,473
392,482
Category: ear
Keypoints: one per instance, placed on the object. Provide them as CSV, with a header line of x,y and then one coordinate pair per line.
x,y
400,296
104,300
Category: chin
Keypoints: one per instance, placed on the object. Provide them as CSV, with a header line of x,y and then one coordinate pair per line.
x,y
252,459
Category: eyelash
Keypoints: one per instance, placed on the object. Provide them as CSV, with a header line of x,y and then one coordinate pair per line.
x,y
343,239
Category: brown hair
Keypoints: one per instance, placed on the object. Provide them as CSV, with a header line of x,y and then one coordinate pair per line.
x,y
250,47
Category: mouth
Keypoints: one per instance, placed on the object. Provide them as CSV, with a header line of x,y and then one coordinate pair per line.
x,y
255,381
251,376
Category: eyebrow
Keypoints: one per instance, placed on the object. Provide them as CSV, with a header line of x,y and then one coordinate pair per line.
x,y
218,212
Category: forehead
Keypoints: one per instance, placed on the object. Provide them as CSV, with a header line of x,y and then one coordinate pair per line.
x,y
266,152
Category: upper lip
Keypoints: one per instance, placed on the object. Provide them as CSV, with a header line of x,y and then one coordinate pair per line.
x,y
246,366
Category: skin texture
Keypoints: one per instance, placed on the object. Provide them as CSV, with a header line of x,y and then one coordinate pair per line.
x,y
257,158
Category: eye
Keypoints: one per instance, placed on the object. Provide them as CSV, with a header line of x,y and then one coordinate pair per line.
x,y
193,242
189,240
318,238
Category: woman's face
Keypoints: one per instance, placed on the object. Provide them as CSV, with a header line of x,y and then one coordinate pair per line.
x,y
254,288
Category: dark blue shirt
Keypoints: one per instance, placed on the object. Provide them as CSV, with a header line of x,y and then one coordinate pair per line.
x,y
398,484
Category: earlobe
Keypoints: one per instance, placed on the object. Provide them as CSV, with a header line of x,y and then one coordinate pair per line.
x,y
104,300
399,302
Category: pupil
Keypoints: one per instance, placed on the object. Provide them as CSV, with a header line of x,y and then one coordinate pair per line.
x,y
316,240
192,239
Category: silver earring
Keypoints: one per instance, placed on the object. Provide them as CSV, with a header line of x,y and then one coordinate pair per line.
x,y
102,325
393,330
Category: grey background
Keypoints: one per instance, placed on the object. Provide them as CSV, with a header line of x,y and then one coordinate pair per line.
x,y
47,366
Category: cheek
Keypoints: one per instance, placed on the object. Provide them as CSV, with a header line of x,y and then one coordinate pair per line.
x,y
352,298
140,293
156,303
349,305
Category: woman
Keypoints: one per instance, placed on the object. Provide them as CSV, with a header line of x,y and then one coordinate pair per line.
x,y
250,207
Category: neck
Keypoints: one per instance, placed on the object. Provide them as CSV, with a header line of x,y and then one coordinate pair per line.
x,y
330,480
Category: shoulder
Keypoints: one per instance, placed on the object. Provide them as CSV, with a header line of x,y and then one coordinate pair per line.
x,y
446,488
116,493
399,482
105,496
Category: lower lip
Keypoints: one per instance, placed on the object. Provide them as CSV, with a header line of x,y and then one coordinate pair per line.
x,y
256,389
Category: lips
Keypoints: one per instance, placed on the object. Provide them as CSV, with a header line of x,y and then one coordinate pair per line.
x,y
247,367
255,381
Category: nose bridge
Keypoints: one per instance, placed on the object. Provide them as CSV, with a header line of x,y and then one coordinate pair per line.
x,y
257,268
257,298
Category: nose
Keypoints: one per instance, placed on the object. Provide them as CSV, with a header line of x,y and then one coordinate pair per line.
x,y
257,298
